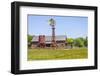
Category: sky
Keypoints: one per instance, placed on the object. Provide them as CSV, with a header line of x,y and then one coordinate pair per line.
x,y
71,26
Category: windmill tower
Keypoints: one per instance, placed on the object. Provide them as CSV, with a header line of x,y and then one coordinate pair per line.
x,y
52,24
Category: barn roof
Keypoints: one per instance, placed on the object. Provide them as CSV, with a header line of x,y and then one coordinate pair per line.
x,y
48,38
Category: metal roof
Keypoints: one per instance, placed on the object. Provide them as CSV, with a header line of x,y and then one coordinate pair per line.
x,y
48,38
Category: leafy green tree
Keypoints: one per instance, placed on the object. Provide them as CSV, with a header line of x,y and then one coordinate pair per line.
x,y
29,38
79,42
70,41
86,42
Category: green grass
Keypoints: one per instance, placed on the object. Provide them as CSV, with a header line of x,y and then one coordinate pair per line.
x,y
48,54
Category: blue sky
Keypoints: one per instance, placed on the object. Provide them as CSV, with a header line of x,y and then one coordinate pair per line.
x,y
71,26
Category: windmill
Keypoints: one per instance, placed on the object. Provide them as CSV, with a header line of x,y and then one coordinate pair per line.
x,y
52,23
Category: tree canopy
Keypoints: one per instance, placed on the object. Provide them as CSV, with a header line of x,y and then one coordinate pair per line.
x,y
29,38
77,42
70,41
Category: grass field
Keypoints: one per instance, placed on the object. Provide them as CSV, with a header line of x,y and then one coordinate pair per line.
x,y
48,54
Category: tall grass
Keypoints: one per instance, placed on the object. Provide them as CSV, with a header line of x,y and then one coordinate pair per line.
x,y
49,54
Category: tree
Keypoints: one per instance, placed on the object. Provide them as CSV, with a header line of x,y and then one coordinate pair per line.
x,y
79,42
70,41
86,42
29,38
